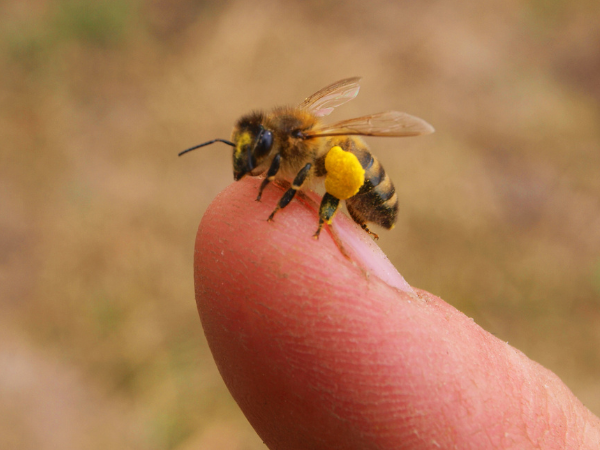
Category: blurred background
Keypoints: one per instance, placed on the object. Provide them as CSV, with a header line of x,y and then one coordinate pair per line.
x,y
100,342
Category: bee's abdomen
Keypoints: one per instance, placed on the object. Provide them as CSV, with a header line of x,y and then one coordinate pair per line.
x,y
376,201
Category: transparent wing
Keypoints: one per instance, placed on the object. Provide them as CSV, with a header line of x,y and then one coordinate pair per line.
x,y
389,123
323,102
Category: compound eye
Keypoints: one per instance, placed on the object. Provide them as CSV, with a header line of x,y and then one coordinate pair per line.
x,y
264,143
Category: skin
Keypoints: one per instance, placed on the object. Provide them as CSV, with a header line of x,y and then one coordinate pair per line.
x,y
323,350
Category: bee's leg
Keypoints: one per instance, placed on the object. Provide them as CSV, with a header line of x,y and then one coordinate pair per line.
x,y
329,206
270,175
360,221
374,235
289,194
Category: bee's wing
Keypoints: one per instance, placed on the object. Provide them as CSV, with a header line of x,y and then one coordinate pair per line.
x,y
321,103
389,123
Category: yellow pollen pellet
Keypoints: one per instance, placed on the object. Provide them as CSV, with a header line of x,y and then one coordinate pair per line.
x,y
345,175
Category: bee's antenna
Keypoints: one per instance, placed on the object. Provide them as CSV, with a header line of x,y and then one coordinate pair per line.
x,y
207,143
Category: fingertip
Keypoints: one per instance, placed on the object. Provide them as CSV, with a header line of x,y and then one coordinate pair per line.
x,y
276,305
237,222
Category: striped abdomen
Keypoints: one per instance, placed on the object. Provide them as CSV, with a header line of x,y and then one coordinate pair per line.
x,y
376,201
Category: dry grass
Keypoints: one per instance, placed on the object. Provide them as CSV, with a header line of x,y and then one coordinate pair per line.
x,y
100,342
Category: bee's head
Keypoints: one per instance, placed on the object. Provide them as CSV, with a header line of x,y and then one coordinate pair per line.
x,y
253,143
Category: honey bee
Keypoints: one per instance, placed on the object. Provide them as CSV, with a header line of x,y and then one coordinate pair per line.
x,y
292,144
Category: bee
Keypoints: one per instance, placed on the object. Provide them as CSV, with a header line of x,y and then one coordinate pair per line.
x,y
293,144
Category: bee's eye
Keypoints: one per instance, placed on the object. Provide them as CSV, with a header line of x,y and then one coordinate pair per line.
x,y
264,142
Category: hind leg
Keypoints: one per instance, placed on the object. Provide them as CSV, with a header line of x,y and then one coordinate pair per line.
x,y
356,216
329,206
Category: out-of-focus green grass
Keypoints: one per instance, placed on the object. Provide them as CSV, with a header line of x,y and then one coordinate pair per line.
x,y
100,342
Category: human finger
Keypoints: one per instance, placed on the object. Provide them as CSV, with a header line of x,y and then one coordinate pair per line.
x,y
324,345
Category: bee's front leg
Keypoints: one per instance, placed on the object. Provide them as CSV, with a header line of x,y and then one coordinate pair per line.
x,y
273,169
329,206
289,194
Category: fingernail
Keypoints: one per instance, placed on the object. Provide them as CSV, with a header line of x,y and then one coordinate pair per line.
x,y
367,255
